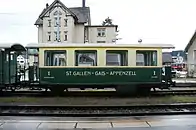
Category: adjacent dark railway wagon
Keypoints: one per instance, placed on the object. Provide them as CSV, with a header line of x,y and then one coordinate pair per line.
x,y
9,78
129,68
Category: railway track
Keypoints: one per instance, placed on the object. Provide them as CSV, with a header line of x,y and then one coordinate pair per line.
x,y
174,92
92,93
92,111
185,85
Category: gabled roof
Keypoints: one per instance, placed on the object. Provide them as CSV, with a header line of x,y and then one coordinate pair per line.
x,y
52,5
81,14
190,42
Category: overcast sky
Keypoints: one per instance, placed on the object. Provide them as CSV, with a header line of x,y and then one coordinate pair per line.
x,y
154,21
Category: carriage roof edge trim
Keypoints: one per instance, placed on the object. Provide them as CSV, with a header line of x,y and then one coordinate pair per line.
x,y
12,46
104,45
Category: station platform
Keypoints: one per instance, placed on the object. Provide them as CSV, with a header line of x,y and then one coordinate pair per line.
x,y
185,80
118,123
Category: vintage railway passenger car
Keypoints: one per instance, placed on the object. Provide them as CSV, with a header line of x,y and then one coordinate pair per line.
x,y
125,67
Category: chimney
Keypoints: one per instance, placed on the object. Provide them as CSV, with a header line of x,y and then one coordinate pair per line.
x,y
47,5
83,3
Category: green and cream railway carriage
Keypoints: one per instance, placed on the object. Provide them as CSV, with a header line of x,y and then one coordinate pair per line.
x,y
126,67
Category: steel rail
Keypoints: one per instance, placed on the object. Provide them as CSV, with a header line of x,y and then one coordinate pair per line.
x,y
185,85
96,111
93,93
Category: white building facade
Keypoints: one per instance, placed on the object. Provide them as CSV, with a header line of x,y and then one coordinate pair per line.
x,y
71,25
191,56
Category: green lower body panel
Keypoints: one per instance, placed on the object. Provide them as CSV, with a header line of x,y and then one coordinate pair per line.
x,y
10,70
100,76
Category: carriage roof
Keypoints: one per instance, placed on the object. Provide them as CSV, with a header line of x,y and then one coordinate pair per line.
x,y
12,46
98,45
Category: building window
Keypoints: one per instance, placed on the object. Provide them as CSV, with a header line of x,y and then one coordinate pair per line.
x,y
57,12
101,32
56,23
86,58
56,36
65,20
146,58
55,58
194,55
116,58
49,23
59,21
65,36
49,36
100,41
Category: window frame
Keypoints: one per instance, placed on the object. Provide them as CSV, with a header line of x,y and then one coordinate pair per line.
x,y
124,57
55,35
65,35
49,22
145,61
56,21
101,41
65,22
101,31
49,36
76,52
50,62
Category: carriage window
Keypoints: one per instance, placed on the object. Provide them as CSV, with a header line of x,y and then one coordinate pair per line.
x,y
55,58
146,58
86,58
116,58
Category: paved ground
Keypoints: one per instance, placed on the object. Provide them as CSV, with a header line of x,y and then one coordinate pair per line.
x,y
134,123
185,80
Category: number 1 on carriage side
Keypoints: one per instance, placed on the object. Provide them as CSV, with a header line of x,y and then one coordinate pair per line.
x,y
154,73
48,73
